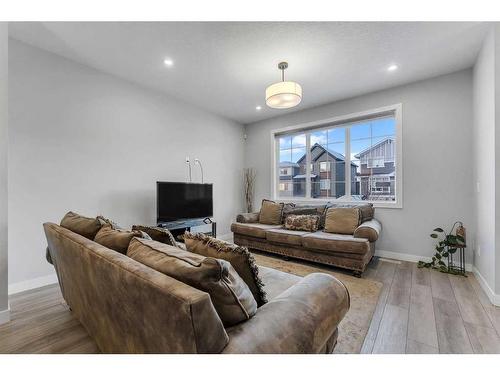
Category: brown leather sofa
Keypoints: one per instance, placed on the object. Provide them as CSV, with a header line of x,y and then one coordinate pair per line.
x,y
128,307
347,251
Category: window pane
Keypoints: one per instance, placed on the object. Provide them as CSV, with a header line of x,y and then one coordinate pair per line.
x,y
285,143
374,157
336,135
299,155
319,137
384,127
299,140
361,131
285,156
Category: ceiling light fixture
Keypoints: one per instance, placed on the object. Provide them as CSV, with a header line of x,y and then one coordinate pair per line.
x,y
392,68
284,94
168,62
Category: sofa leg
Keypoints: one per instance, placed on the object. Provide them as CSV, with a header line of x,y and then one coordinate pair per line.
x,y
357,274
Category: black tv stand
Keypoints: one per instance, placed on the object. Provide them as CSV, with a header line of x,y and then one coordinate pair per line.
x,y
178,227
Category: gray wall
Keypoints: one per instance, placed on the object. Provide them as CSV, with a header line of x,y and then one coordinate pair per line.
x,y
86,141
3,169
437,162
484,159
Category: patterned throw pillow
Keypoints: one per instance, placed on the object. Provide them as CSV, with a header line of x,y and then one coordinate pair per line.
x,y
104,220
307,223
158,234
240,258
270,212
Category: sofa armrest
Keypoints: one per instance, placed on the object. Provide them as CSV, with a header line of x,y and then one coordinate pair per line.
x,y
48,257
369,229
252,217
299,320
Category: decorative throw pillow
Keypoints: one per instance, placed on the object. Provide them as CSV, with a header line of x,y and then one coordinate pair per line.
x,y
116,239
320,210
299,211
308,223
341,220
158,234
270,212
239,257
84,226
230,296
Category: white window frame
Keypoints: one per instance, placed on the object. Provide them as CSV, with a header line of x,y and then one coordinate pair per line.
x,y
395,110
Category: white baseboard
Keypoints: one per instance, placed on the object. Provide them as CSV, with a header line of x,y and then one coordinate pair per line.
x,y
494,298
5,316
32,284
410,257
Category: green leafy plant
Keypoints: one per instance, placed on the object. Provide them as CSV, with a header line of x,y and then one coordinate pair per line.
x,y
447,244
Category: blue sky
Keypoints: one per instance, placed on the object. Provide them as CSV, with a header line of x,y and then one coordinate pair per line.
x,y
363,135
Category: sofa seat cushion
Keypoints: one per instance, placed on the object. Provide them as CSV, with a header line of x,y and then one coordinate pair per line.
x,y
252,229
276,282
230,296
285,236
337,243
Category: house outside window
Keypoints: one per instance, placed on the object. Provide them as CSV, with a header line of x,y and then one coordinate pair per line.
x,y
353,158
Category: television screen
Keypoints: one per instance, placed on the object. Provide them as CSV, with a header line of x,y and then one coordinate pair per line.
x,y
182,200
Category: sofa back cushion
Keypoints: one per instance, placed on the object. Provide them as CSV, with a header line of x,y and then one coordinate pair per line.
x,y
84,226
308,223
230,296
240,258
116,239
366,210
341,220
270,212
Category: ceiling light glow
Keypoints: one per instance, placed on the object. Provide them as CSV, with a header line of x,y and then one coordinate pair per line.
x,y
392,67
168,62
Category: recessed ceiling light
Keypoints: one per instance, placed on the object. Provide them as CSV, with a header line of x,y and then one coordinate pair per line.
x,y
392,68
258,108
168,62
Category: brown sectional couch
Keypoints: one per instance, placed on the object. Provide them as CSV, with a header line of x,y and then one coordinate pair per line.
x,y
128,307
350,251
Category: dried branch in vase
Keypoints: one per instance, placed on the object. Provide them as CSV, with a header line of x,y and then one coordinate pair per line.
x,y
249,184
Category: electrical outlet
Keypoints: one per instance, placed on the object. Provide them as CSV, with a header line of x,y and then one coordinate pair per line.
x,y
478,189
478,250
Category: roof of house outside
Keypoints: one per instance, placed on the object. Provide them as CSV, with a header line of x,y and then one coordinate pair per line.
x,y
358,155
288,164
336,155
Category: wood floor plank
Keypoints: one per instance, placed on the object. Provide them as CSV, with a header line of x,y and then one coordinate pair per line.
x,y
399,294
414,347
452,336
391,337
484,340
492,311
471,309
421,321
421,276
385,275
441,287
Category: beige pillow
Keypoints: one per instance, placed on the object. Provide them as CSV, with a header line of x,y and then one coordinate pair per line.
x,y
240,258
230,296
341,220
84,226
116,239
270,212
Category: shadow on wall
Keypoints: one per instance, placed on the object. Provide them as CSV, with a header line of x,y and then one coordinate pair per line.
x,y
129,207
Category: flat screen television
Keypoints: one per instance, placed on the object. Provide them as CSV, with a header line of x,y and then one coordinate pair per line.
x,y
183,200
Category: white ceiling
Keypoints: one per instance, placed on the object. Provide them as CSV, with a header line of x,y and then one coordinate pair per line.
x,y
225,67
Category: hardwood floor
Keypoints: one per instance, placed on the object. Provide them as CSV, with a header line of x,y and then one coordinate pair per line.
x,y
419,311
